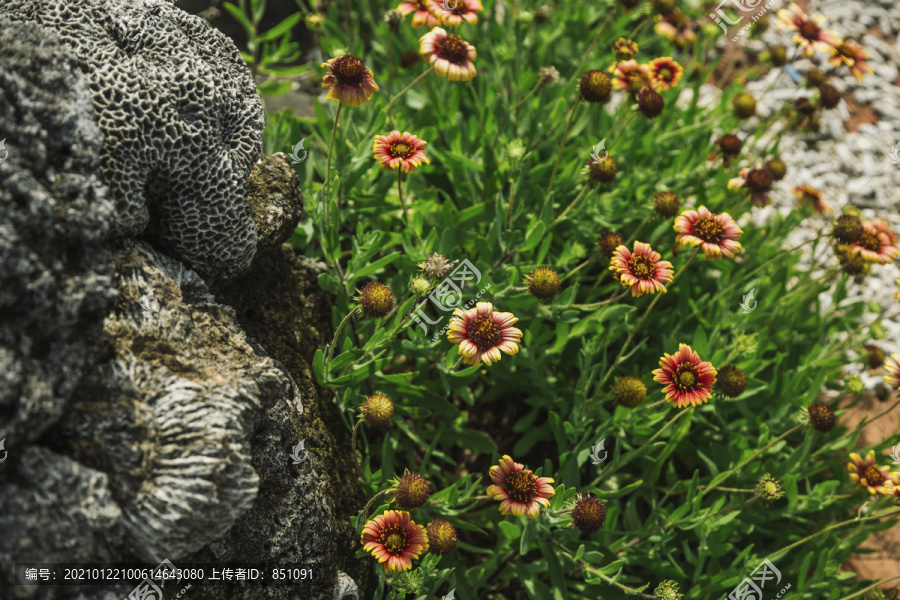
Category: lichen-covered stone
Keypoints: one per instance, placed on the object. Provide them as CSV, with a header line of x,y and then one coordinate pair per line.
x,y
56,284
180,118
276,200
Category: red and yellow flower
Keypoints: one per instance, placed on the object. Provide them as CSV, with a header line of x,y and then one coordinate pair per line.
x,y
402,150
892,366
422,16
808,32
631,76
451,55
806,194
868,474
483,334
665,73
350,81
854,56
642,269
519,491
715,234
877,244
394,540
688,379
462,10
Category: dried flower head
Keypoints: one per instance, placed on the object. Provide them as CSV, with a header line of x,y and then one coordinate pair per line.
x,y
375,300
603,170
852,263
549,75
667,204
436,266
650,103
729,146
630,391
543,283
377,410
595,86
744,105
769,489
441,537
778,55
847,229
829,96
412,490
393,18
821,416
588,514
731,381
625,49
608,242
777,168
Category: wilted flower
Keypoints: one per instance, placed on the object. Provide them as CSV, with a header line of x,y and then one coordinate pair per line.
x,y
588,513
377,410
393,18
769,489
667,204
463,10
519,491
543,283
624,49
642,269
402,150
394,540
868,474
650,103
451,55
608,242
758,181
809,34
549,75
847,229
744,105
806,194
422,16
821,416
350,81
665,72
436,266
375,300
441,537
730,146
731,381
631,76
630,391
594,86
892,366
715,234
482,333
854,56
412,490
876,244
688,379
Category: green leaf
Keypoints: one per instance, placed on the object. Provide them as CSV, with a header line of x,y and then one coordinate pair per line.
x,y
279,30
700,344
240,17
319,366
510,530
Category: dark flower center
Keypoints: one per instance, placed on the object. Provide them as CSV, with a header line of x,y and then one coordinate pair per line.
x,y
759,181
349,70
709,230
686,378
484,332
521,486
460,8
401,150
454,49
730,144
809,30
394,539
642,267
870,241
873,476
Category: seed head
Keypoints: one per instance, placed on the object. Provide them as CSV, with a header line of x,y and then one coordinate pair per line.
x,y
419,286
393,18
441,537
609,241
412,491
730,144
595,86
603,171
630,391
776,168
436,266
625,49
588,513
769,489
759,181
882,392
744,105
731,381
875,358
815,77
375,300
821,416
377,410
548,75
543,283
829,96
667,204
847,229
778,54
665,7
804,106
852,262
650,102
667,590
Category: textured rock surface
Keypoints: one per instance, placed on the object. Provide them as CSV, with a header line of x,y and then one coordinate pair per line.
x,y
276,200
55,281
180,118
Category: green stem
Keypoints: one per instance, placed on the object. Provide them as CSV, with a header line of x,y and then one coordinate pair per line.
x,y
337,335
372,499
331,146
609,580
590,48
562,145
405,213
639,227
512,196
406,89
514,109
579,267
355,429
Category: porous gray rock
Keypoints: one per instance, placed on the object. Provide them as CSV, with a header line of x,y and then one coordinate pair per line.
x,y
55,279
276,200
180,118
